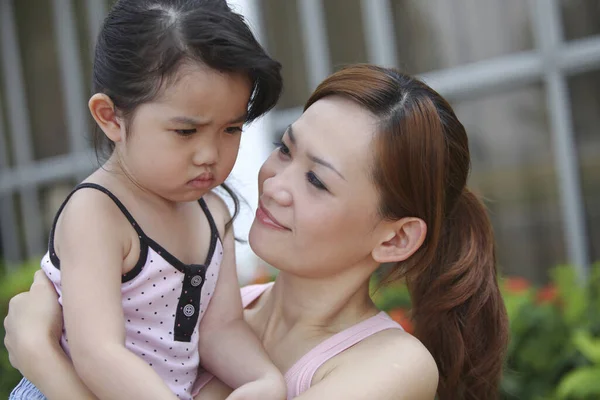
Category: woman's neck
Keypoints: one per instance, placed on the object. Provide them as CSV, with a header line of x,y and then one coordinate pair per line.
x,y
323,305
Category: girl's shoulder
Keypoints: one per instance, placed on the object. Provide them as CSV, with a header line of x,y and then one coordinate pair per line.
x,y
92,202
89,218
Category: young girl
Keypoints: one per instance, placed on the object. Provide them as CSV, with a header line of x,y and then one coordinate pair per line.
x,y
141,253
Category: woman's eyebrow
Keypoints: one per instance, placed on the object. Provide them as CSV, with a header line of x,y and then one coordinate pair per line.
x,y
311,157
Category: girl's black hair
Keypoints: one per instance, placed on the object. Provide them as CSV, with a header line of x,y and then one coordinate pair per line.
x,y
142,44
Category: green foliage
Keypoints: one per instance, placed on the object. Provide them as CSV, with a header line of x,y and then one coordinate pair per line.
x,y
390,297
554,351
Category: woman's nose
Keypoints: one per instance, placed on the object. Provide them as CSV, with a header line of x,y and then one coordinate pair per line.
x,y
277,190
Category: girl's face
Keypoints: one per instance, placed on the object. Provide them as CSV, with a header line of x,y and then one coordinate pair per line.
x,y
186,142
318,205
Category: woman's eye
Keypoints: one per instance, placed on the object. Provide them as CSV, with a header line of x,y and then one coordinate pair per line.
x,y
232,130
185,132
283,149
313,180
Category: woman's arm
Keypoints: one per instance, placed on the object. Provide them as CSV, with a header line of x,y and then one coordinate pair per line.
x,y
92,245
33,328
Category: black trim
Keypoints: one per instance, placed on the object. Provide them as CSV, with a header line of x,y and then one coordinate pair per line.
x,y
174,261
143,245
190,295
213,230
184,325
139,266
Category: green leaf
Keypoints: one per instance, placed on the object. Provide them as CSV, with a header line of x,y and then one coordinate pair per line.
x,y
573,295
515,303
580,383
587,345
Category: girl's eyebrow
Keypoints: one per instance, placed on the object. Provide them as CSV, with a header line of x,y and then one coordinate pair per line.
x,y
315,159
241,118
198,121
189,121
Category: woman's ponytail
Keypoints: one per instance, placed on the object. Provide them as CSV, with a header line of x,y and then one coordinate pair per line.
x,y
457,306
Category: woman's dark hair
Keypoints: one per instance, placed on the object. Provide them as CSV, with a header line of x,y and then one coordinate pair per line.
x,y
143,43
421,164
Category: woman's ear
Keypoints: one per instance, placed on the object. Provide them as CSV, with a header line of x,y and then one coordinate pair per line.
x,y
103,110
402,239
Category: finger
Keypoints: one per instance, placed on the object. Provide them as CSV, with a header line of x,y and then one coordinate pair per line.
x,y
39,274
6,343
11,360
7,347
41,280
12,303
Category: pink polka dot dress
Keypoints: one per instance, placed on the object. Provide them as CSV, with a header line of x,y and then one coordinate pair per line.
x,y
163,302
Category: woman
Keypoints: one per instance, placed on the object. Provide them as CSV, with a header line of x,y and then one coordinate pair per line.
x,y
373,172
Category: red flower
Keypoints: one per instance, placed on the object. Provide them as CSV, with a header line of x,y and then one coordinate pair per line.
x,y
400,315
516,284
547,294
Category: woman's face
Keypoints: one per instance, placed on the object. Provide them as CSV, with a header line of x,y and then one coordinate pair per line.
x,y
317,210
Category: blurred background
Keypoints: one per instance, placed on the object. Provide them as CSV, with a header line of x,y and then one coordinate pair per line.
x,y
522,75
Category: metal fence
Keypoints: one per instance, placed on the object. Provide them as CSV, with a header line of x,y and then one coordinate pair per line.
x,y
550,63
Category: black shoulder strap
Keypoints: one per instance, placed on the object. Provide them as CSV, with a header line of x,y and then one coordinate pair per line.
x,y
209,217
104,190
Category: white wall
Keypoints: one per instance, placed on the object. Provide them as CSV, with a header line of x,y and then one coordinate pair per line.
x,y
253,151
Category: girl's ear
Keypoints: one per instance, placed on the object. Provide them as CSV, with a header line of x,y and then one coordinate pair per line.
x,y
103,110
402,240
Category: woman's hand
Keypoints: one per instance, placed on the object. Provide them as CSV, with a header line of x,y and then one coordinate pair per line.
x,y
33,324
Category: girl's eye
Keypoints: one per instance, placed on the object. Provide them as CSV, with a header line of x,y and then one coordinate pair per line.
x,y
185,132
283,149
232,130
313,180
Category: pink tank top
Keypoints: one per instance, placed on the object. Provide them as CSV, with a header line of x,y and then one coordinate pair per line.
x,y
163,301
299,377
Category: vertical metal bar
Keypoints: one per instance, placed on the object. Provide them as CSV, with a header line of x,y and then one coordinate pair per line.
x,y
11,247
314,35
379,29
19,127
96,11
71,73
548,34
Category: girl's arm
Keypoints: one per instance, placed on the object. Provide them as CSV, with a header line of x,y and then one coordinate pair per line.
x,y
228,347
33,327
93,245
